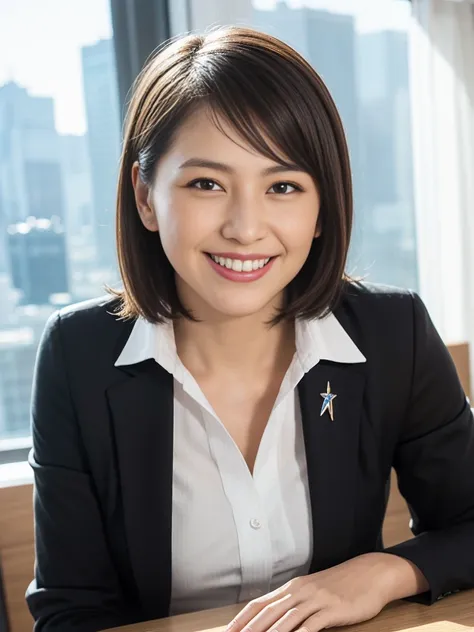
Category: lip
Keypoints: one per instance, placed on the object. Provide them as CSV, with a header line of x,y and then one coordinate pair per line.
x,y
240,277
234,255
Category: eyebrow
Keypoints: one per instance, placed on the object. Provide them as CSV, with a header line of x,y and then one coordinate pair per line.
x,y
220,166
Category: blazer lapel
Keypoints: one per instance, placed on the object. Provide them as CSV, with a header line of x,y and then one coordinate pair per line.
x,y
142,411
332,457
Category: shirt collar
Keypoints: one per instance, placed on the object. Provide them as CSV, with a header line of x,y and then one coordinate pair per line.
x,y
316,339
325,339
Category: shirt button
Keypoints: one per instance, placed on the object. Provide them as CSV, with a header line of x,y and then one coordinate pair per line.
x,y
255,523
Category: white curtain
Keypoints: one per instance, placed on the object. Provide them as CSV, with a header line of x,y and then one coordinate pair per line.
x,y
442,67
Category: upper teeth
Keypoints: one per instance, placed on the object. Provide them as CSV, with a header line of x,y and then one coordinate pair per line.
x,y
241,266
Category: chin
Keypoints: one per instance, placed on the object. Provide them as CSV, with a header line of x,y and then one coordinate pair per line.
x,y
208,303
234,308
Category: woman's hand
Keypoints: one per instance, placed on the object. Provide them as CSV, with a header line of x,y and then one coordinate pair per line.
x,y
352,592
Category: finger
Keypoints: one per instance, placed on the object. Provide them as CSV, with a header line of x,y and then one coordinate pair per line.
x,y
246,615
259,615
320,621
294,617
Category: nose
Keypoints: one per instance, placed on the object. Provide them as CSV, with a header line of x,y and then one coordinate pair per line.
x,y
245,221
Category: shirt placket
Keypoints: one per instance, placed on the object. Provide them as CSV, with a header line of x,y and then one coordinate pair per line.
x,y
250,517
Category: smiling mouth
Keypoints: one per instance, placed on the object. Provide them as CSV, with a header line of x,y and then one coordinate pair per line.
x,y
239,265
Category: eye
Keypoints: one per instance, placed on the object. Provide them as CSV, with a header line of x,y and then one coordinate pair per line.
x,y
206,181
206,184
285,185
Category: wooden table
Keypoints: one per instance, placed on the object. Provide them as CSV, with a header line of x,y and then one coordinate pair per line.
x,y
452,614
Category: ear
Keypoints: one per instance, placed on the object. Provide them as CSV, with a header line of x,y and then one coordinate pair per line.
x,y
142,200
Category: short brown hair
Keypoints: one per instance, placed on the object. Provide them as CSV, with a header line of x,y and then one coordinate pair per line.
x,y
258,84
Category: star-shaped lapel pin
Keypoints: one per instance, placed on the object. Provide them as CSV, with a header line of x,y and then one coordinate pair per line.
x,y
328,398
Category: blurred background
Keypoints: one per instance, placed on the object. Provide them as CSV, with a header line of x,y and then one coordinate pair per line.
x,y
401,73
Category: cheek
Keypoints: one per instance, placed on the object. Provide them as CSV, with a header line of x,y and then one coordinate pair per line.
x,y
297,233
168,224
181,227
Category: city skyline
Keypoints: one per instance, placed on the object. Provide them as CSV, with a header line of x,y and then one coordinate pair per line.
x,y
51,63
48,173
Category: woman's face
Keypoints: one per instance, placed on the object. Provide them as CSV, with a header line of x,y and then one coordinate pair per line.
x,y
220,223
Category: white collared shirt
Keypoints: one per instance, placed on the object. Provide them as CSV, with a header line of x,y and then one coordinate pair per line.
x,y
236,536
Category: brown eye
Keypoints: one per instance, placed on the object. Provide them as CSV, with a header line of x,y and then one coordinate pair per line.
x,y
282,188
207,184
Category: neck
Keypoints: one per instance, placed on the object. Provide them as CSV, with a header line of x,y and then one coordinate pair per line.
x,y
237,346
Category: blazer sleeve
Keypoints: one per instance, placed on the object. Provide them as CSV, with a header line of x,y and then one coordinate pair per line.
x,y
75,586
434,462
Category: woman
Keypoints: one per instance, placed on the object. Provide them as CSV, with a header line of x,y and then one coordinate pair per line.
x,y
223,430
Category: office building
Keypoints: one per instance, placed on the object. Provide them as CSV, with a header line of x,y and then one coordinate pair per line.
x,y
30,159
37,251
76,176
80,232
103,137
17,359
389,238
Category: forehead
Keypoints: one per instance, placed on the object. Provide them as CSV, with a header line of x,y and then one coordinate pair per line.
x,y
208,132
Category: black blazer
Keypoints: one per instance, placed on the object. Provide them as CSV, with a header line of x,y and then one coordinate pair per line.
x,y
103,446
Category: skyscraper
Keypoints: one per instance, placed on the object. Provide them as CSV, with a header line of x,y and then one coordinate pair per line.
x,y
37,250
389,214
30,158
76,175
30,162
17,360
103,136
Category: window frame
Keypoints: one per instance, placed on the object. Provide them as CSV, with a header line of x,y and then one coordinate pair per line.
x,y
139,27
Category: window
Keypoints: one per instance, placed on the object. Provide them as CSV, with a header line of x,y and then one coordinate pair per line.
x,y
59,147
360,48
60,140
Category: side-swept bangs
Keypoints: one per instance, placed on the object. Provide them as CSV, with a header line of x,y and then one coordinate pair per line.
x,y
280,106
